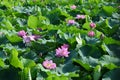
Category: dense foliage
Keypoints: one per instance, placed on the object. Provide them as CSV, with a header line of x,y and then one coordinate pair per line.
x,y
59,39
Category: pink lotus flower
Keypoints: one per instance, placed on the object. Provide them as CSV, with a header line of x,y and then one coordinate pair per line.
x,y
63,51
91,34
48,64
73,7
22,33
71,22
27,39
80,16
92,25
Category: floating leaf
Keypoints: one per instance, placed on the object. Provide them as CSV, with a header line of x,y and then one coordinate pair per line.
x,y
83,64
28,63
26,74
1,63
106,59
32,22
112,75
14,60
86,26
97,72
14,38
109,10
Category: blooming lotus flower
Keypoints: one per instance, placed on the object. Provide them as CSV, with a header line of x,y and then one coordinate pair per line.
x,y
22,33
92,25
80,16
71,22
27,39
63,51
32,37
91,34
73,7
48,64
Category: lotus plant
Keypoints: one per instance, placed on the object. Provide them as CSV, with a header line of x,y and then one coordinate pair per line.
x,y
48,64
62,51
91,33
73,7
92,25
22,33
27,38
78,16
71,22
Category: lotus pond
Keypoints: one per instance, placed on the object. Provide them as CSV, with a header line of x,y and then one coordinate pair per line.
x,y
59,40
